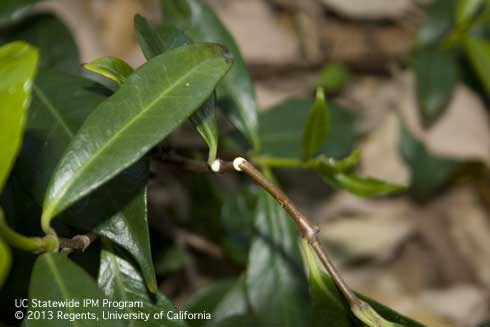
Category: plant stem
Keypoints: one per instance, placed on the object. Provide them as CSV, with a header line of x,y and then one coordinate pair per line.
x,y
308,230
279,162
26,243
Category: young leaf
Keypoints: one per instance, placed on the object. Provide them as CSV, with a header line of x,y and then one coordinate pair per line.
x,y
59,106
478,51
157,42
359,185
325,164
436,74
276,281
154,101
317,126
284,139
110,67
18,62
465,9
120,281
428,172
57,278
56,44
198,21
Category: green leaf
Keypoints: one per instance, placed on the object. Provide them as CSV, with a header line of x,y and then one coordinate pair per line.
x,y
154,43
465,9
110,67
359,185
437,75
236,91
428,172
331,309
333,77
56,278
329,165
233,303
56,44
276,281
284,139
18,62
317,126
14,10
153,102
60,105
438,21
120,281
237,321
237,221
5,260
478,51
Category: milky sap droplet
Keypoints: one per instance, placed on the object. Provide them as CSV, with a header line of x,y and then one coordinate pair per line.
x,y
187,84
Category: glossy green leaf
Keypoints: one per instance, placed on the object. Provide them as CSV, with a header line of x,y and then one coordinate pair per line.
x,y
56,44
110,67
237,321
57,278
428,172
465,9
438,21
284,139
478,51
18,62
317,126
359,185
208,298
120,281
236,92
436,73
154,101
234,302
13,10
5,260
60,105
155,42
276,281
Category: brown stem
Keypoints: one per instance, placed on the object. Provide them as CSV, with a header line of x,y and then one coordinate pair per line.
x,y
308,230
79,242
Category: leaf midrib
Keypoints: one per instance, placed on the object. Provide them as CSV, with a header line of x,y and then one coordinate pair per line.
x,y
126,126
52,109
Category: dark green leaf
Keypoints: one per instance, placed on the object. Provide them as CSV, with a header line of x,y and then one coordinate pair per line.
x,y
359,185
120,281
276,281
478,51
13,10
110,67
153,102
234,302
317,126
56,278
56,44
237,321
439,20
284,139
237,220
156,42
236,91
118,210
436,74
18,63
171,260
428,172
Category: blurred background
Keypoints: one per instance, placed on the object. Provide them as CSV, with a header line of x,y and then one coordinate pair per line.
x,y
426,253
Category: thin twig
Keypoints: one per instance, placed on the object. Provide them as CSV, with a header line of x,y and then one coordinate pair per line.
x,y
194,165
79,242
308,230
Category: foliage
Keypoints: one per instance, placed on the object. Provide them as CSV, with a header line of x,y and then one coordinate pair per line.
x,y
83,167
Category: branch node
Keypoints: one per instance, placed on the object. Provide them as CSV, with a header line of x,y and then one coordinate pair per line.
x,y
238,162
311,234
216,166
84,239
